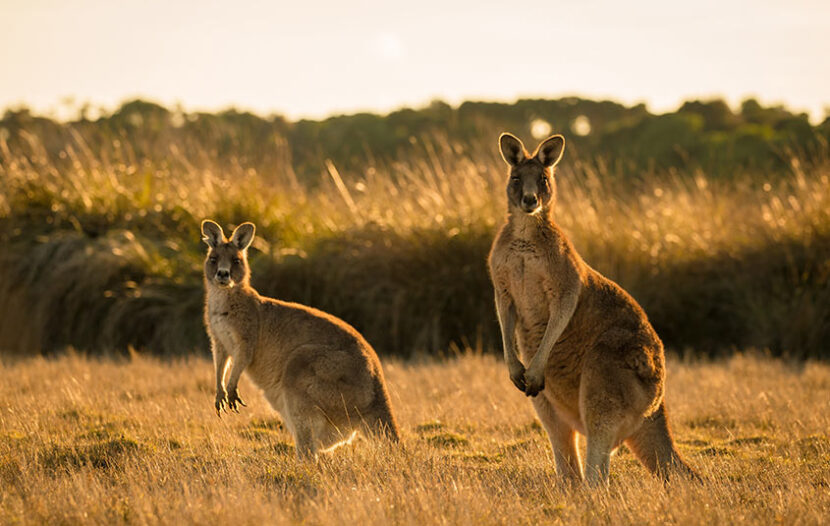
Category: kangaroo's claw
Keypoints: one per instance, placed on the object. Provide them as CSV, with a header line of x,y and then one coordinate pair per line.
x,y
219,404
517,376
234,401
534,385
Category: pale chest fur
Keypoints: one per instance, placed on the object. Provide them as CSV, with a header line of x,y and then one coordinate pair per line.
x,y
521,270
524,269
220,321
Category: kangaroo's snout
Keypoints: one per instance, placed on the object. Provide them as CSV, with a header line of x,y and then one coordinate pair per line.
x,y
530,202
223,276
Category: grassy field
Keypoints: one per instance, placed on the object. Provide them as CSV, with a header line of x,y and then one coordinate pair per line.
x,y
101,252
136,441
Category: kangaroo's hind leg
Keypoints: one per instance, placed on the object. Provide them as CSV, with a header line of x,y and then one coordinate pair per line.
x,y
328,435
605,405
599,444
302,415
315,433
562,439
304,441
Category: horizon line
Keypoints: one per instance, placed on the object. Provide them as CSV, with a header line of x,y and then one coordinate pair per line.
x,y
67,109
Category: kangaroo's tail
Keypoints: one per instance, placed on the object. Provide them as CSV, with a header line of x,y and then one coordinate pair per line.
x,y
379,419
653,445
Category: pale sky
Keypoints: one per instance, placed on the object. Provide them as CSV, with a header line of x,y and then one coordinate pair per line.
x,y
316,58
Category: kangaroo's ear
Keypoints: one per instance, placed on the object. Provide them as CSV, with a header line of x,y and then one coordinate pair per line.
x,y
550,151
212,233
512,150
243,235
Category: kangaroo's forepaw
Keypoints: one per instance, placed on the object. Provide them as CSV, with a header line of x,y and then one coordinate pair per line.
x,y
517,376
534,384
234,401
221,400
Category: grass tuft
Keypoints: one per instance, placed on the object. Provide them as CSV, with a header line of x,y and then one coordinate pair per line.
x,y
447,439
429,426
99,455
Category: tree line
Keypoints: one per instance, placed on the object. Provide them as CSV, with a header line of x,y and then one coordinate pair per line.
x,y
707,135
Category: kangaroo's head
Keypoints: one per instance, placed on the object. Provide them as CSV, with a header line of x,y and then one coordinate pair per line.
x,y
531,188
227,259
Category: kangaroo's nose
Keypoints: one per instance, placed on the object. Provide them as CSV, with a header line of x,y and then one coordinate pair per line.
x,y
529,200
223,274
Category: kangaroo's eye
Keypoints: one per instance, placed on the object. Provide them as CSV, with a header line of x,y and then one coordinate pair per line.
x,y
212,259
236,261
515,180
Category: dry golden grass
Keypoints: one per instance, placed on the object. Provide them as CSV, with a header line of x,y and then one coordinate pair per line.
x,y
397,250
136,441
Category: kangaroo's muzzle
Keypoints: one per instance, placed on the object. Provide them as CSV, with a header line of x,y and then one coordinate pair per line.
x,y
223,277
530,203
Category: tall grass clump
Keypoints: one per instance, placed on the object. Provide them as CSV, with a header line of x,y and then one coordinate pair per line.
x,y
101,247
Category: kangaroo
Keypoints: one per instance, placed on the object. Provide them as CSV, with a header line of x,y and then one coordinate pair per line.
x,y
595,365
315,370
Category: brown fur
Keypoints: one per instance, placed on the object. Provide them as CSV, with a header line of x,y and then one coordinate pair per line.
x,y
595,365
316,370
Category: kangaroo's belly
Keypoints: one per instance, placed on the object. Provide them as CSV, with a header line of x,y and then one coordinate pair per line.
x,y
567,408
276,398
563,370
531,327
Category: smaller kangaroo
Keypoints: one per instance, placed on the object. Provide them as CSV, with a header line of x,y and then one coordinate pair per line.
x,y
314,369
594,363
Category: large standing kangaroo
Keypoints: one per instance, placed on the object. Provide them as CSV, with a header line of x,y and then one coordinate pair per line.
x,y
595,365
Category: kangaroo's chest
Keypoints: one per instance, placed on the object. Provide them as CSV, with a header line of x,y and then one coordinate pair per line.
x,y
221,323
522,266
527,279
223,331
